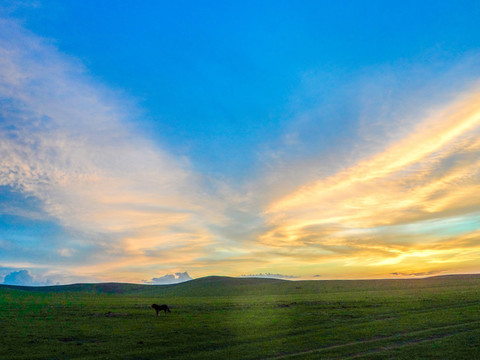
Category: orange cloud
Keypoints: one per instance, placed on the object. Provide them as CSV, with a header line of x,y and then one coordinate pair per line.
x,y
360,214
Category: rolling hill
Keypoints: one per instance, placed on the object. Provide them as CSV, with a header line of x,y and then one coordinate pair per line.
x,y
230,286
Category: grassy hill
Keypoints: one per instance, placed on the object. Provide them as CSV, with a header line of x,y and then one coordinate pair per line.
x,y
206,285
230,286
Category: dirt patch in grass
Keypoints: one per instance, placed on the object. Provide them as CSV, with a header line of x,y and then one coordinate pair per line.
x,y
78,341
286,305
110,314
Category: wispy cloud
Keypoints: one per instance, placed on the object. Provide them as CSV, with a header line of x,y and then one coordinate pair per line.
x,y
69,142
389,208
271,276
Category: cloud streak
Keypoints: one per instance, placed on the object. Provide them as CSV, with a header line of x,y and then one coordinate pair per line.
x,y
72,144
388,209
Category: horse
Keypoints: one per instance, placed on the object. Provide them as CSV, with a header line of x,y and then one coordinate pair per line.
x,y
163,307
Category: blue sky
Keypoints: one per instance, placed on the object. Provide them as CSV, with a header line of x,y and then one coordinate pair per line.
x,y
194,128
211,75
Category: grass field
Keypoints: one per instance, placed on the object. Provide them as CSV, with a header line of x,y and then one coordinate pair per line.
x,y
229,318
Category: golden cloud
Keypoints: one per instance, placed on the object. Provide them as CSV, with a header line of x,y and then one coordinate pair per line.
x,y
379,210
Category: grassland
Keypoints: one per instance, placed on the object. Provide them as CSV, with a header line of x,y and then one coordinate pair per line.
x,y
228,318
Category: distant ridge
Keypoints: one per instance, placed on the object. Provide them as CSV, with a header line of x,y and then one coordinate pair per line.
x,y
208,282
232,286
458,276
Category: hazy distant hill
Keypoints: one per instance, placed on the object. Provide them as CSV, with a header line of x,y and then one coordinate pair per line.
x,y
206,285
229,286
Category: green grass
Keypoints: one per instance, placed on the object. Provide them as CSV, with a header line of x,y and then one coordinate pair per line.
x,y
227,318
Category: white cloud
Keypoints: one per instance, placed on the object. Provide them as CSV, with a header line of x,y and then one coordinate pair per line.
x,y
69,141
65,252
169,279
24,277
271,276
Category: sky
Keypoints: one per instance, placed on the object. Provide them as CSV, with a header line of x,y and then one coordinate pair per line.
x,y
160,141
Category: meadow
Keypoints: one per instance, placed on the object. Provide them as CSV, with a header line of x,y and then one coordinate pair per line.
x,y
232,318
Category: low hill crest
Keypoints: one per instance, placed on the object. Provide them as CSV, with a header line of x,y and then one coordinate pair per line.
x,y
225,286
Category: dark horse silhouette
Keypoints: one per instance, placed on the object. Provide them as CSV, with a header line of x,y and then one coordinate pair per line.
x,y
158,308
